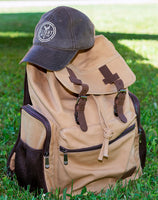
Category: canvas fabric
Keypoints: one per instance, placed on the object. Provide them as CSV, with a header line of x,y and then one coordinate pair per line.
x,y
107,151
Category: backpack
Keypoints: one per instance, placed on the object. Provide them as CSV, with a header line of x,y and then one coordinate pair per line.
x,y
80,126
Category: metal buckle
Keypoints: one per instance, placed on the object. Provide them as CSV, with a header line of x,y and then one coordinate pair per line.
x,y
120,91
81,97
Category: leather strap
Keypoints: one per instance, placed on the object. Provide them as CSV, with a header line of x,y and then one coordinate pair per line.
x,y
26,98
142,136
81,100
120,97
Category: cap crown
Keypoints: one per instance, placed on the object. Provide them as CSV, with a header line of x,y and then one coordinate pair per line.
x,y
64,28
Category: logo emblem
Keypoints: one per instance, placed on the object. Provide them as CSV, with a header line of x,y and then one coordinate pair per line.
x,y
46,32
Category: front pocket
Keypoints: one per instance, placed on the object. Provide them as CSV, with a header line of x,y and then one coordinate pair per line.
x,y
32,147
92,148
83,167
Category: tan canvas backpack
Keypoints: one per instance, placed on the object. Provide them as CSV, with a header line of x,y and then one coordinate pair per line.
x,y
80,126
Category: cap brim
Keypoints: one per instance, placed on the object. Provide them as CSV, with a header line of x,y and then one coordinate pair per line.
x,y
48,58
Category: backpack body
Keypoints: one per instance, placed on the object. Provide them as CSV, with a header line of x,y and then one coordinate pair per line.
x,y
72,135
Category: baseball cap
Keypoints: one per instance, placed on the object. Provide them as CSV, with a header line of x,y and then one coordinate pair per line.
x,y
58,36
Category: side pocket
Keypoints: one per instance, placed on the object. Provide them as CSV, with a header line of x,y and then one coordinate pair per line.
x,y
31,148
29,167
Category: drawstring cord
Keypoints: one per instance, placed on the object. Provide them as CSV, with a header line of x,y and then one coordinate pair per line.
x,y
104,152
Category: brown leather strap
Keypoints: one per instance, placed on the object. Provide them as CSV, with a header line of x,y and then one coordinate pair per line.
x,y
120,97
109,77
118,106
142,137
26,98
73,77
81,100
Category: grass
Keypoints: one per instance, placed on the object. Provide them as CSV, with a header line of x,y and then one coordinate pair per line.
x,y
134,32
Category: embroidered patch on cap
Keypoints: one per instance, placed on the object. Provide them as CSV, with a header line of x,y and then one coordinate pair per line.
x,y
46,32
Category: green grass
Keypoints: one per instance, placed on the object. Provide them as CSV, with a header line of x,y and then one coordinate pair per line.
x,y
133,29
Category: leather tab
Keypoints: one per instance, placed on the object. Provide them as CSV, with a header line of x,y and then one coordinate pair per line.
x,y
109,77
73,77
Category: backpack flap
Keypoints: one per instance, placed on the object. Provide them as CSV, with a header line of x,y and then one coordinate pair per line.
x,y
104,71
87,64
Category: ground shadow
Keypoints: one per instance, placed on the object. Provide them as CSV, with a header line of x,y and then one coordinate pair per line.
x,y
128,36
19,22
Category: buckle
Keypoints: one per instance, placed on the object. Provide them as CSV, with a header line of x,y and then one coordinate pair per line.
x,y
119,92
81,97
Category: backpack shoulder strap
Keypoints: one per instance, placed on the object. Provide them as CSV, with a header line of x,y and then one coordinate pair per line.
x,y
26,98
142,137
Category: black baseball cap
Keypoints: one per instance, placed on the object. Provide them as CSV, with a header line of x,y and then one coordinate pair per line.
x,y
58,36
